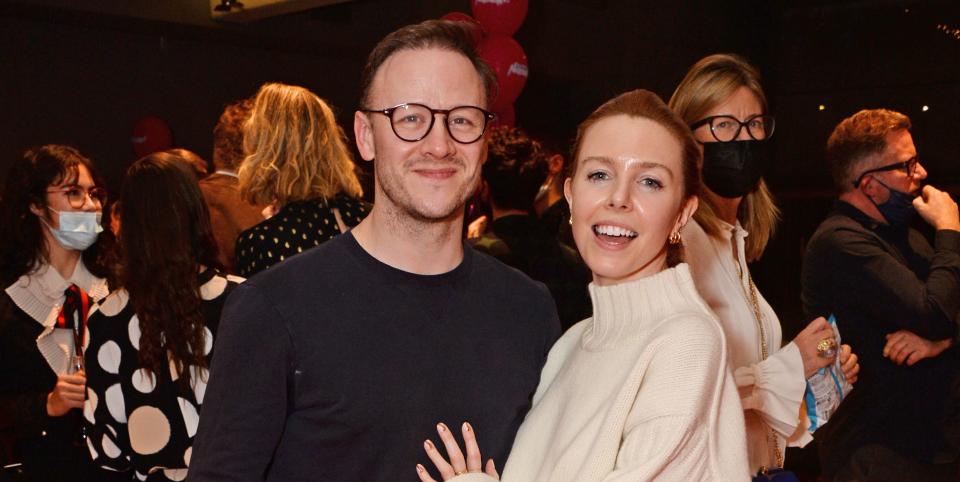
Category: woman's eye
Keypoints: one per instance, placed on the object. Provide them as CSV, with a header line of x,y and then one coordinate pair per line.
x,y
598,176
651,183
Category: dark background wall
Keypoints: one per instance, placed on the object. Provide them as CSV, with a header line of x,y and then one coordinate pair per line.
x,y
83,72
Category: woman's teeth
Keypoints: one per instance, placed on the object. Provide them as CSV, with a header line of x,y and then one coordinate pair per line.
x,y
615,231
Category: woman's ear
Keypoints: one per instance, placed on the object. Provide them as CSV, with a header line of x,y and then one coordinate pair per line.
x,y
686,212
36,209
568,191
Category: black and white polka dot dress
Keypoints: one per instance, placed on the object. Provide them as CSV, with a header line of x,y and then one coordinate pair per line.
x,y
135,421
297,227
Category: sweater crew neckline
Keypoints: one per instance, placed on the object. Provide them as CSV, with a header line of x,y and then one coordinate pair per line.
x,y
623,310
367,260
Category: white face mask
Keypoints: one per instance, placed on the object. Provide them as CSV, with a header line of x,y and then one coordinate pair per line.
x,y
78,229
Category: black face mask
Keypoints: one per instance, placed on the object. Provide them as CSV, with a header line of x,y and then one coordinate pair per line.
x,y
733,169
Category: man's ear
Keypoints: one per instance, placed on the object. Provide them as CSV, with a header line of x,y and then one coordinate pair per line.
x,y
363,131
36,209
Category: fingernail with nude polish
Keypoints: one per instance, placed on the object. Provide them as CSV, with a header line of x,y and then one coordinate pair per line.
x,y
441,428
420,469
428,445
467,427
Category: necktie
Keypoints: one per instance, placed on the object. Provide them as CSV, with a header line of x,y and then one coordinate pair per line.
x,y
73,314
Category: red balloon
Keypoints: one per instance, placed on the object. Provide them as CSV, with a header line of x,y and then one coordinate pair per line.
x,y
509,62
499,17
476,29
151,134
506,116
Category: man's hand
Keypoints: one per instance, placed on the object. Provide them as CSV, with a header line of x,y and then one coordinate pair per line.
x,y
905,347
67,394
938,209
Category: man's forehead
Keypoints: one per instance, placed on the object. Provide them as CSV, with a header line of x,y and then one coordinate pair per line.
x,y
438,77
900,144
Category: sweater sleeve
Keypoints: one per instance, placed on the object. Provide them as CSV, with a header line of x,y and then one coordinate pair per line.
x,y
680,410
245,406
774,388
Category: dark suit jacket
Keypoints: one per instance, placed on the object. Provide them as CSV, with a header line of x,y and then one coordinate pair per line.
x,y
229,215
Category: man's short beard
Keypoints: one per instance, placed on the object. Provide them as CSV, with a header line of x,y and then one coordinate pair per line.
x,y
410,208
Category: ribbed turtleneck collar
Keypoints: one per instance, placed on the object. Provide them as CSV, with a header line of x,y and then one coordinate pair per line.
x,y
624,310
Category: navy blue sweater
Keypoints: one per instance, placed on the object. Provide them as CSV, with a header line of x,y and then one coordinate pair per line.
x,y
333,366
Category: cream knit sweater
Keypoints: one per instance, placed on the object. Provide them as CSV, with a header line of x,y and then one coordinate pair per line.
x,y
641,391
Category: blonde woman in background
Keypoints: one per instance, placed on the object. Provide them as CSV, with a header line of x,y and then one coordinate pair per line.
x,y
298,163
723,103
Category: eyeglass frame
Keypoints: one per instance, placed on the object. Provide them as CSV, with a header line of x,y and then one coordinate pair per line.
x,y
87,193
905,165
709,121
388,112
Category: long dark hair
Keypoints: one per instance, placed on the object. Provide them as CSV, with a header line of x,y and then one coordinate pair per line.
x,y
22,245
165,237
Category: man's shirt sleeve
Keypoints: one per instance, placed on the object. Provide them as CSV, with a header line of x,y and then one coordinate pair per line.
x,y
894,293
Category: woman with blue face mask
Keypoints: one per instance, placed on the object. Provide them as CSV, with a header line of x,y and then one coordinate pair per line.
x,y
50,217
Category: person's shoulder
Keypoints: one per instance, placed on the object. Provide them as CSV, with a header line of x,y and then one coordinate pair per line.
x,y
490,244
838,230
312,265
109,318
691,326
493,271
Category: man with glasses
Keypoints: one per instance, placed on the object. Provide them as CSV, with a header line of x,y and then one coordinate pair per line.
x,y
339,363
896,299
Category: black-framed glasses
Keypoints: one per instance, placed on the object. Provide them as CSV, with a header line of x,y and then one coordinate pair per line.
x,y
77,196
909,166
412,122
726,128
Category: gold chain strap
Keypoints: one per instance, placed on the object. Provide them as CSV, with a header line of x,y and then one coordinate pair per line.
x,y
754,298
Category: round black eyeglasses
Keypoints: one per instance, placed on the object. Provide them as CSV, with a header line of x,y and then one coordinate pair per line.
x,y
413,122
726,128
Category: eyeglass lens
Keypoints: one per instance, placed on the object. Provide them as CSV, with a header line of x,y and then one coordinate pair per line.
x,y
727,128
412,122
77,196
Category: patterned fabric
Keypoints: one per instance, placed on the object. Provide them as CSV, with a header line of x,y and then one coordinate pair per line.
x,y
296,228
137,419
73,314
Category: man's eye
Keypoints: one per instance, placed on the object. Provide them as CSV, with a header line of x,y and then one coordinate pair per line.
x,y
411,119
462,121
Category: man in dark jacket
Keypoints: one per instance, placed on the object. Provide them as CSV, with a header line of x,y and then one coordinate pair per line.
x,y
896,299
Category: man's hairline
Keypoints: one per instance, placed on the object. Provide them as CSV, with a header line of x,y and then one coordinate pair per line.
x,y
365,96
